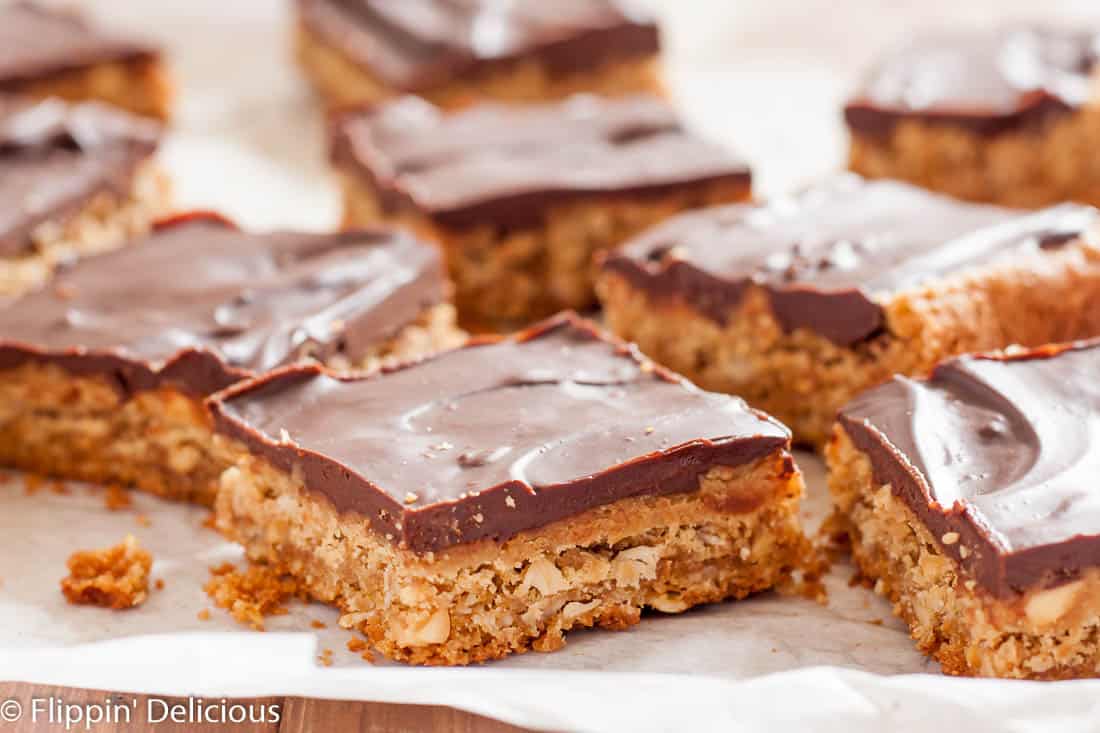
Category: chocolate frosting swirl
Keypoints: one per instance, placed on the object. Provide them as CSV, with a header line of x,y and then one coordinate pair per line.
x,y
826,256
505,164
36,42
412,46
1000,450
54,157
202,304
988,82
499,437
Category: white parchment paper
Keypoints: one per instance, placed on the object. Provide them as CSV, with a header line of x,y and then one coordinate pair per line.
x,y
767,76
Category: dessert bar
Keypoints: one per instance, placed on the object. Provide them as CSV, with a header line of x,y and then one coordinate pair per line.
x,y
486,500
519,198
800,303
103,371
46,52
452,53
74,180
1009,116
968,499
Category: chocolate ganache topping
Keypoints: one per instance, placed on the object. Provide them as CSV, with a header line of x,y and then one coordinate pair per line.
x,y
988,82
1001,450
506,163
417,44
54,157
825,256
202,304
36,42
495,438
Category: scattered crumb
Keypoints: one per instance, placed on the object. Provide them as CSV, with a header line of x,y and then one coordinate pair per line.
x,y
858,578
806,580
832,537
254,594
356,645
411,498
326,657
143,521
876,622
117,498
204,614
159,585
33,482
318,624
117,577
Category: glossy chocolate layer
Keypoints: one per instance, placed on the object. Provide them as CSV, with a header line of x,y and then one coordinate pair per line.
x,y
418,44
826,257
37,42
55,157
201,304
496,438
505,164
1001,450
988,82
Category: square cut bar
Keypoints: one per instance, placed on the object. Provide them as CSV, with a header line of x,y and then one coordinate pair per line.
x,y
1010,116
452,53
799,304
969,498
485,501
519,198
74,180
103,372
56,53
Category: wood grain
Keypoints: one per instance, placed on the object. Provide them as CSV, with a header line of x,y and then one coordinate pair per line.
x,y
297,715
307,716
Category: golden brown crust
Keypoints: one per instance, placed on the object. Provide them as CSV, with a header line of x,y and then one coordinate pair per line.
x,y
82,428
803,379
142,86
488,599
1029,168
504,280
343,83
104,223
1051,633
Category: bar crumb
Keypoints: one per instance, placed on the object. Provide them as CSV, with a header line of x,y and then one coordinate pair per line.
x,y
254,594
116,498
116,578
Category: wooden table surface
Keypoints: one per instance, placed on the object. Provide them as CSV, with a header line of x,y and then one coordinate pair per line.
x,y
297,715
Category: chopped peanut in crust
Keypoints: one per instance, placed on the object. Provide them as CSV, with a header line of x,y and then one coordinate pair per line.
x,y
254,594
117,577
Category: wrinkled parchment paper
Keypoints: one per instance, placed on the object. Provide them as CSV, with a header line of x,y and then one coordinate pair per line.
x,y
765,75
